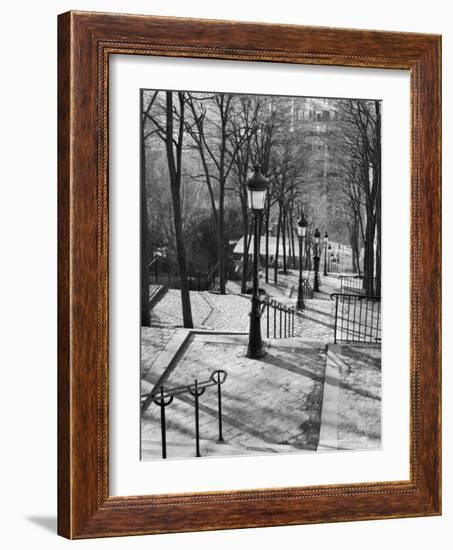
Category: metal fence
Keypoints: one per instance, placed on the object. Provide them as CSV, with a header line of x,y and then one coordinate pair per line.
x,y
357,284
163,272
334,266
307,289
213,278
280,319
357,318
163,397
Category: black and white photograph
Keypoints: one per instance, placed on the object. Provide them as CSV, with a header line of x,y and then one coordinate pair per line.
x,y
260,261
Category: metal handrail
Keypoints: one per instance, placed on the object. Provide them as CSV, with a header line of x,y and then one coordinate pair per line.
x,y
355,320
170,275
283,318
307,288
164,397
211,276
358,296
369,285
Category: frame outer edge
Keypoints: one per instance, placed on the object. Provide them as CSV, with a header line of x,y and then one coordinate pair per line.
x,y
81,510
431,276
64,526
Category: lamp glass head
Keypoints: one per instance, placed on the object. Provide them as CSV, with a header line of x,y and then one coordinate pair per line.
x,y
302,226
256,189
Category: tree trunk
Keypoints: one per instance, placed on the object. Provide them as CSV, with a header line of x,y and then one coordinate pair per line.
x,y
355,246
277,244
175,186
377,287
222,252
291,234
221,242
268,213
307,255
144,238
368,261
283,224
245,249
378,198
354,254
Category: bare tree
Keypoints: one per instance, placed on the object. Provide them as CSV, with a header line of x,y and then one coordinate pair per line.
x,y
163,125
288,161
144,232
240,149
265,139
211,129
360,147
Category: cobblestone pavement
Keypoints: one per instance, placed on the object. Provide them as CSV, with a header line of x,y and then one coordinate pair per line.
x,y
359,412
209,311
229,312
316,321
287,285
168,310
269,405
153,341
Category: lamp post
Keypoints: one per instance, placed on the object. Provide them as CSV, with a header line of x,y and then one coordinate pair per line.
x,y
329,264
326,242
256,196
301,232
316,259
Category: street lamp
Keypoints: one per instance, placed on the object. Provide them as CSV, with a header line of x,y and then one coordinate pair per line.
x,y
301,232
256,195
326,242
316,258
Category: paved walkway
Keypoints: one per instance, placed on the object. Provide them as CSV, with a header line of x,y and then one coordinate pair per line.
x,y
168,311
359,425
315,322
153,341
270,405
229,312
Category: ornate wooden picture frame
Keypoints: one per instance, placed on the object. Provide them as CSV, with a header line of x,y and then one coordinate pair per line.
x,y
85,507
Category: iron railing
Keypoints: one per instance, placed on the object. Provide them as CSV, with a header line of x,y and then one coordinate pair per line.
x,y
163,397
307,289
334,266
357,284
280,319
164,272
357,318
212,280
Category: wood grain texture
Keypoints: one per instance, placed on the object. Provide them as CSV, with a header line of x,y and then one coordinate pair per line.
x,y
85,42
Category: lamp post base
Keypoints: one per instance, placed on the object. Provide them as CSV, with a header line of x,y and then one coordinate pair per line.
x,y
300,290
316,284
316,278
300,304
255,354
255,348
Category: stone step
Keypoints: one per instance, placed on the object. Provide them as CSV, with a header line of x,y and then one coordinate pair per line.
x,y
185,448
